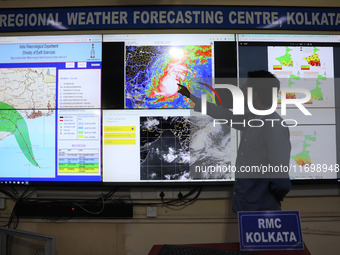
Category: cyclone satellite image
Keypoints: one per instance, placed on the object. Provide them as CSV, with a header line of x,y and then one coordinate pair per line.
x,y
173,148
153,72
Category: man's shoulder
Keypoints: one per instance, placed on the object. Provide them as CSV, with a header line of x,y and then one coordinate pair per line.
x,y
275,123
266,118
274,115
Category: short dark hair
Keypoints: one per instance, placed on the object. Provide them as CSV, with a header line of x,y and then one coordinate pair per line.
x,y
263,83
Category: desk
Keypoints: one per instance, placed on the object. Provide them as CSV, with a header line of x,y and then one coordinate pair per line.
x,y
236,247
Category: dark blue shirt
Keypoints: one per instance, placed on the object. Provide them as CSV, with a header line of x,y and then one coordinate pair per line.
x,y
262,146
266,146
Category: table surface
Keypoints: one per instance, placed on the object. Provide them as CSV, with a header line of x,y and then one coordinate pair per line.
x,y
236,247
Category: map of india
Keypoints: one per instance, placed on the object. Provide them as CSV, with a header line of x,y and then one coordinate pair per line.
x,y
303,158
12,122
28,88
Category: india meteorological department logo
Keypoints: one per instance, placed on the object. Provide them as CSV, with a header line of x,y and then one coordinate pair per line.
x,y
239,104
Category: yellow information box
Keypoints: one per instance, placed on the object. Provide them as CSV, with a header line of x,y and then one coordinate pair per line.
x,y
119,135
78,170
120,129
119,141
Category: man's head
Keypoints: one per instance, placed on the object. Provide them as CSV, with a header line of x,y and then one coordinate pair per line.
x,y
262,83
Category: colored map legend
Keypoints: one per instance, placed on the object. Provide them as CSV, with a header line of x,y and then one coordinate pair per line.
x,y
78,127
88,127
78,161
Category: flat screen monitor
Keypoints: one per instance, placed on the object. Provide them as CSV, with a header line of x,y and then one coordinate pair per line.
x,y
141,71
165,146
90,109
149,133
310,62
50,96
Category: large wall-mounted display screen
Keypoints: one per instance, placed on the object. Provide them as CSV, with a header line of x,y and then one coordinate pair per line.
x,y
105,109
141,71
50,96
298,61
165,146
310,62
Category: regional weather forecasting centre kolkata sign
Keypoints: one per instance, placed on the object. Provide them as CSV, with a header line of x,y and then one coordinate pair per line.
x,y
160,17
270,230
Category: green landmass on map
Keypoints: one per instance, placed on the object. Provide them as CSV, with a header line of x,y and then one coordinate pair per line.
x,y
290,95
291,77
316,93
11,121
303,158
286,59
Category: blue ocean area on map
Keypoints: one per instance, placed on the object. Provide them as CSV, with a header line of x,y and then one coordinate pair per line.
x,y
42,136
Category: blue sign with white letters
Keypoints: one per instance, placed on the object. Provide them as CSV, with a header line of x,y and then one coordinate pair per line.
x,y
270,230
160,17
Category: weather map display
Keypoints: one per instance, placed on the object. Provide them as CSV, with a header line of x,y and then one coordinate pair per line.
x,y
310,62
29,140
155,64
153,72
29,88
171,147
68,116
311,68
307,152
49,128
308,142
165,145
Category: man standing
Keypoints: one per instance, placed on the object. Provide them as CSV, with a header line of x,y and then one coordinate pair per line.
x,y
266,145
